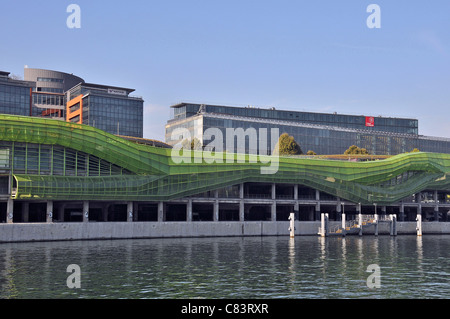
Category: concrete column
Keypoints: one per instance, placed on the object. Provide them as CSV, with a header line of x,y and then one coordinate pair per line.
x,y
9,211
273,214
241,191
274,191
343,218
85,211
216,211
189,210
436,213
130,211
49,211
160,211
317,211
241,210
296,191
25,212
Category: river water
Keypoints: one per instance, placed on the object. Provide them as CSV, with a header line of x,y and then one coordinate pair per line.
x,y
252,267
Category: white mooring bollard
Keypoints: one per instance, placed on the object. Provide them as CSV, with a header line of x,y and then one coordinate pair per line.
x,y
292,225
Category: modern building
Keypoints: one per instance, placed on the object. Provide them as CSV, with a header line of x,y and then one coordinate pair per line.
x,y
48,96
66,97
320,132
108,108
15,95
53,171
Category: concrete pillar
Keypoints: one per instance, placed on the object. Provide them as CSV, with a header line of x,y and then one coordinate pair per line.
x,y
343,218
317,211
25,212
296,191
274,191
241,211
130,211
419,220
49,211
160,211
9,211
241,191
216,211
273,215
189,210
85,211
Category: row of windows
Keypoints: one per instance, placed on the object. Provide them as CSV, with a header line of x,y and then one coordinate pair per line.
x,y
53,80
49,90
322,141
14,89
48,99
407,126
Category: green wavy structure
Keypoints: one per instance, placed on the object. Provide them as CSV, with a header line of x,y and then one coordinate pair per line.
x,y
154,176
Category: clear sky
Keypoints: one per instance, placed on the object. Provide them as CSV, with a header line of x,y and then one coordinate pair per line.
x,y
296,55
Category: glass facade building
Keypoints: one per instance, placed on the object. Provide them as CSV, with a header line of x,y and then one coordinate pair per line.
x,y
110,109
322,133
15,95
66,97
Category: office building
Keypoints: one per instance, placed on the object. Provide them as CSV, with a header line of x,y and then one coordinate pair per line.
x,y
320,132
66,97
108,108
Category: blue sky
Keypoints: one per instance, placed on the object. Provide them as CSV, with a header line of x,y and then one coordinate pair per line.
x,y
296,55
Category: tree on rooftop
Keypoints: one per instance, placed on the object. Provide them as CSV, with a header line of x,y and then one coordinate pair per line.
x,y
287,145
192,144
355,150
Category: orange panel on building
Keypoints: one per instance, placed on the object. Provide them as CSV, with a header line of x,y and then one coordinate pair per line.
x,y
72,112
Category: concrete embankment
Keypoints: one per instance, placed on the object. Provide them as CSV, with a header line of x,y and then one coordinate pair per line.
x,y
26,232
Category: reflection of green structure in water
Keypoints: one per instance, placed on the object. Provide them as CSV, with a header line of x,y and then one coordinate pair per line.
x,y
55,160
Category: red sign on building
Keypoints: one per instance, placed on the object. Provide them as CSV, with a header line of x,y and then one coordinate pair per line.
x,y
370,121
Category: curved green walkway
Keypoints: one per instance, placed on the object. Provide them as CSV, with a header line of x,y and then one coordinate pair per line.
x,y
156,176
